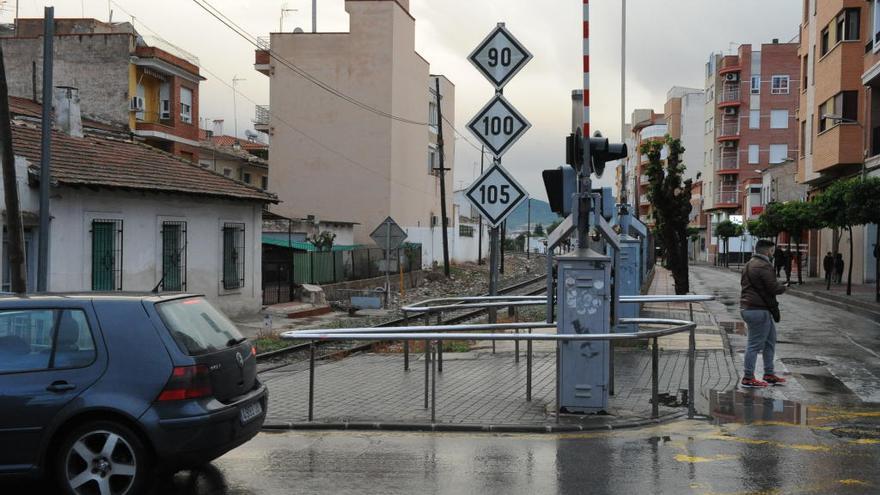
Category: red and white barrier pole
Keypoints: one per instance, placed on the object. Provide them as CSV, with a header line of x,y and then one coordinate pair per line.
x,y
586,68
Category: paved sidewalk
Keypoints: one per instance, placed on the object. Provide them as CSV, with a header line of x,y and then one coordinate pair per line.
x,y
478,388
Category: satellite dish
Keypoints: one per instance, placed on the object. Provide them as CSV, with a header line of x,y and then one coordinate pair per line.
x,y
298,30
251,134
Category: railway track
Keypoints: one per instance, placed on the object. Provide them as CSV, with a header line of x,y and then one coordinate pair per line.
x,y
279,358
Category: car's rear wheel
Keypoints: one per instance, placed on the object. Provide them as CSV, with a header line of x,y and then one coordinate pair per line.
x,y
101,458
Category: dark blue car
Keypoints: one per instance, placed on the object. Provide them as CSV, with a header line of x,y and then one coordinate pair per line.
x,y
98,391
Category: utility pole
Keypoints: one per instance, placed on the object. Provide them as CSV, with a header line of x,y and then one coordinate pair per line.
x,y
314,16
235,80
17,269
529,230
46,153
623,184
443,218
480,235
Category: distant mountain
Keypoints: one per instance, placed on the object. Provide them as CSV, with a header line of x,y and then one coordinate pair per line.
x,y
540,214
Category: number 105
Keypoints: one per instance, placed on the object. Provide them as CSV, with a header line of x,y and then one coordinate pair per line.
x,y
490,194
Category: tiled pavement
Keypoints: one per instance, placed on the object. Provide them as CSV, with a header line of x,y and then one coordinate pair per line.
x,y
481,388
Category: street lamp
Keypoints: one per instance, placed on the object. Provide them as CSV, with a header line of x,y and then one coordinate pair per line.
x,y
839,119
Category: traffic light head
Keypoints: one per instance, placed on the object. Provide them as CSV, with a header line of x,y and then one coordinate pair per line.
x,y
561,185
602,152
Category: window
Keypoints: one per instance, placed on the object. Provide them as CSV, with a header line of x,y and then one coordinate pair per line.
x,y
805,70
756,85
825,40
755,119
197,327
264,182
106,255
779,85
227,172
803,146
186,101
754,152
246,178
432,114
233,255
823,122
433,159
778,153
465,231
847,25
779,119
876,25
846,105
33,340
173,256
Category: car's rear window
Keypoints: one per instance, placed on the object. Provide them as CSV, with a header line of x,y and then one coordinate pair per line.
x,y
198,327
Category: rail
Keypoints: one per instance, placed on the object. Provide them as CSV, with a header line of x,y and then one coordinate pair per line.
x,y
432,335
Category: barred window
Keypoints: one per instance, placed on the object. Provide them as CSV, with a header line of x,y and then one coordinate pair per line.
x,y
106,255
173,256
233,255
465,231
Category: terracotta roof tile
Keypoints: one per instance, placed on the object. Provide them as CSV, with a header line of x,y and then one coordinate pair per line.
x,y
95,161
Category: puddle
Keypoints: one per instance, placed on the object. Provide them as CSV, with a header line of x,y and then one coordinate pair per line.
x,y
752,407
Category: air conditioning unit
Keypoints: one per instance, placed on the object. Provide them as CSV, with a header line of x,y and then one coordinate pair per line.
x,y
730,111
136,104
732,77
728,145
165,112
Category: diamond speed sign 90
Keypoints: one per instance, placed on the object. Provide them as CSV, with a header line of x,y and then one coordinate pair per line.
x,y
496,194
500,56
498,125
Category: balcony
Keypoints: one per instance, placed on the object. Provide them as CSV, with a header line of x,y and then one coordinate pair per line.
x,y
727,197
643,200
728,130
261,118
643,180
729,97
729,163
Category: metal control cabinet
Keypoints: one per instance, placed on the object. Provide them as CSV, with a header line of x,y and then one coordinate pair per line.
x,y
630,273
584,298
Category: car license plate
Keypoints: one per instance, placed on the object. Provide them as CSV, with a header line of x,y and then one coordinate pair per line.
x,y
251,412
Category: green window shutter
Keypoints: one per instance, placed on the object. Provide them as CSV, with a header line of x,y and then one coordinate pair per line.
x,y
103,256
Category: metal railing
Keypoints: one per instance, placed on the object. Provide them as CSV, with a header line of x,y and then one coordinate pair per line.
x,y
729,161
728,129
261,115
434,335
727,197
729,95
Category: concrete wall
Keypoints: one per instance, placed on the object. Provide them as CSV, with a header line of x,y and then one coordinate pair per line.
x,y
355,165
97,64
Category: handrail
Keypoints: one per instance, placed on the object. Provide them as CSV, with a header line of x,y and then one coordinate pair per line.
x,y
421,307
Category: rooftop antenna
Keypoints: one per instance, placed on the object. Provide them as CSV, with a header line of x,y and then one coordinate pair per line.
x,y
314,16
235,80
284,11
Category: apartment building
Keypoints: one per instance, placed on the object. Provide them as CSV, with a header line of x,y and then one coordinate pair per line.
x,y
366,148
839,117
684,120
647,126
124,79
755,94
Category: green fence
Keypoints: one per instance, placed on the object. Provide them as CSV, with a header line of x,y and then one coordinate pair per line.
x,y
329,267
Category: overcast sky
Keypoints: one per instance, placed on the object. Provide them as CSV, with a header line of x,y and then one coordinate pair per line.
x,y
669,42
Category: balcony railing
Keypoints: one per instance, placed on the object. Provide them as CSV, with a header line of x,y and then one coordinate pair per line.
x,y
729,161
643,199
261,115
727,196
643,180
729,95
728,129
153,118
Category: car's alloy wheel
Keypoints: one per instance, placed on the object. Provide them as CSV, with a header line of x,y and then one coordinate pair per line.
x,y
102,460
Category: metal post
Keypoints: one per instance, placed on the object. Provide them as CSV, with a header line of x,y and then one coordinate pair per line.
x,y
655,370
529,230
444,219
405,343
692,358
46,150
480,236
516,348
427,359
433,384
440,345
311,380
15,250
493,273
387,260
314,16
529,369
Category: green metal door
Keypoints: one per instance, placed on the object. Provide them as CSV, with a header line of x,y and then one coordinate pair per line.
x,y
103,256
173,245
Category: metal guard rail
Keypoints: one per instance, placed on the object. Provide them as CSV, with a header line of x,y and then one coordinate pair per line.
x,y
511,301
432,335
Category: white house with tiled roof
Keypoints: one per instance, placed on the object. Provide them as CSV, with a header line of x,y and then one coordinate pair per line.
x,y
128,217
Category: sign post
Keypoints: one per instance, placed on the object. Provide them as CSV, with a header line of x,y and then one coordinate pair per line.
x,y
497,125
388,235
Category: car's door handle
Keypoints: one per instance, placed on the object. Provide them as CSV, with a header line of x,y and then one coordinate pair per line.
x,y
60,386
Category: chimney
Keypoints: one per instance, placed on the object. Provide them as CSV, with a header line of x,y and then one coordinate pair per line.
x,y
218,127
67,112
775,41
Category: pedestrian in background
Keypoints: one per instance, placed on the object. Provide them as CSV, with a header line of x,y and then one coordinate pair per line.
x,y
787,258
760,311
838,269
828,266
778,260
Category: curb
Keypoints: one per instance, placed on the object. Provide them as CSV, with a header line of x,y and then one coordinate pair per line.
x,y
469,428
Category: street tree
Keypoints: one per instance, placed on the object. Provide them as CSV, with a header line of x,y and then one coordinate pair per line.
x,y
725,230
864,203
323,241
539,230
670,196
795,218
834,212
761,228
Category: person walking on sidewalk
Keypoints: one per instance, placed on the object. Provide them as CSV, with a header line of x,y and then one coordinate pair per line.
x,y
838,269
778,260
787,258
828,266
760,311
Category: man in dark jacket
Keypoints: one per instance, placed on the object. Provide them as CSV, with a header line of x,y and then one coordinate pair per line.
x,y
778,260
839,265
828,266
758,302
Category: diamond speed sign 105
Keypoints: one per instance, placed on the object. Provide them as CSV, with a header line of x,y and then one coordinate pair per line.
x,y
496,194
498,125
500,56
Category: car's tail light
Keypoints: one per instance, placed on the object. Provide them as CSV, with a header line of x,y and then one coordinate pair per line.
x,y
187,382
253,351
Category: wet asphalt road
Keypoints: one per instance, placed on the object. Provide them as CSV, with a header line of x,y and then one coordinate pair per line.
x,y
767,456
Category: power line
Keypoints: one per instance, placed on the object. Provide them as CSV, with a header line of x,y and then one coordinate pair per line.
x,y
226,21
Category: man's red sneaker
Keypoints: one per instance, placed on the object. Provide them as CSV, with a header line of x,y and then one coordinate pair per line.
x,y
753,383
774,380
